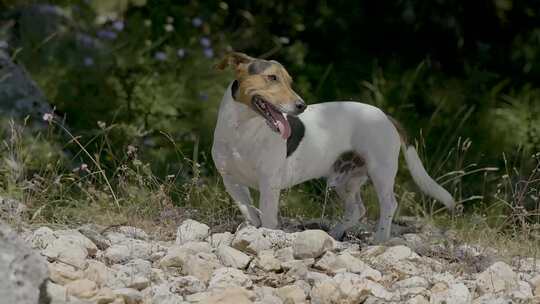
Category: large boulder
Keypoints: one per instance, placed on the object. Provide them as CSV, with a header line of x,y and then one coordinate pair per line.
x,y
24,272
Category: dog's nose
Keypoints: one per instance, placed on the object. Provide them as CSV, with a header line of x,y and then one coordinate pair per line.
x,y
300,105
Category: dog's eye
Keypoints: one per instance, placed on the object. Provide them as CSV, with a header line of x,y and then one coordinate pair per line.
x,y
272,77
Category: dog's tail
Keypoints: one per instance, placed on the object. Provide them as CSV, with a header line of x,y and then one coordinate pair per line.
x,y
418,172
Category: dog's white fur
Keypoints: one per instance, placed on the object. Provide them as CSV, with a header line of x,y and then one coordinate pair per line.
x,y
248,154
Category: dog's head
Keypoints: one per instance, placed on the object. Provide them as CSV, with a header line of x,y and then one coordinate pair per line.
x,y
265,87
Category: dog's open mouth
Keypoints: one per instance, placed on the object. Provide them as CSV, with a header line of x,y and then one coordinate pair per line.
x,y
276,120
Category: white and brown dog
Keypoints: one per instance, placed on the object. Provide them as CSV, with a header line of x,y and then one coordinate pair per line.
x,y
267,139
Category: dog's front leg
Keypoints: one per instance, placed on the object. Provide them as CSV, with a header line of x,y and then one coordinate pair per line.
x,y
241,196
269,204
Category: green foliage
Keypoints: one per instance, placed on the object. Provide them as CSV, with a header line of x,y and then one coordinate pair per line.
x,y
135,84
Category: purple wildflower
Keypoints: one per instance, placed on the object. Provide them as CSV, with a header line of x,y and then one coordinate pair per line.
x,y
85,40
208,52
118,25
196,22
205,42
181,53
88,61
160,56
107,34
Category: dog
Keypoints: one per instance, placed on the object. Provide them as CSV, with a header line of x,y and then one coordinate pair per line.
x,y
266,138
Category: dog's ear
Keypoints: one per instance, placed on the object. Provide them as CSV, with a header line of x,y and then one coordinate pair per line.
x,y
234,59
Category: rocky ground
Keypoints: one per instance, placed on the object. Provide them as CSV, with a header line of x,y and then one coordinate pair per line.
x,y
124,265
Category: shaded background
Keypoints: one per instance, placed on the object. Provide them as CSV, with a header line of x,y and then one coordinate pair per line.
x,y
462,76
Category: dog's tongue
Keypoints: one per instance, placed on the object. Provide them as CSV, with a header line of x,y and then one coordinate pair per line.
x,y
283,126
282,123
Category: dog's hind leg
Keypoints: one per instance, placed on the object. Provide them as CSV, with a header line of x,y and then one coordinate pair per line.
x,y
354,210
383,176
241,196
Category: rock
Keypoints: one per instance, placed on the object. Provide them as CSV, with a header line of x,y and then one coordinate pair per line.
x,y
249,239
63,274
498,277
161,294
523,292
56,293
197,247
265,294
187,285
116,237
455,294
117,254
133,232
278,238
292,264
347,288
97,272
417,300
411,283
135,274
201,265
104,296
91,232
535,284
490,298
11,209
296,269
128,250
78,238
291,294
234,295
445,277
43,237
220,239
314,278
284,254
82,288
312,244
332,263
395,254
68,251
176,257
130,295
231,257
23,272
267,262
227,277
191,230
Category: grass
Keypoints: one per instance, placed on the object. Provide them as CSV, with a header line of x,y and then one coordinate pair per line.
x,y
72,191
